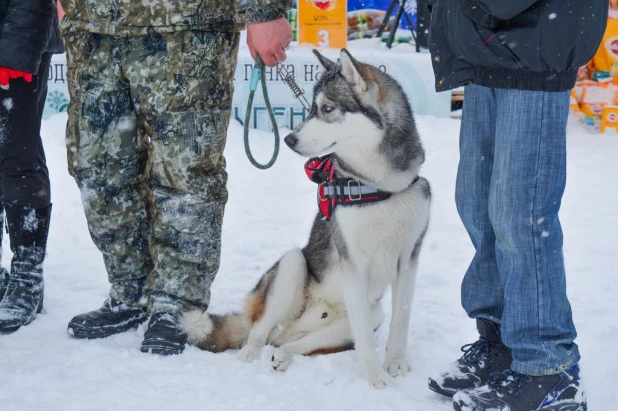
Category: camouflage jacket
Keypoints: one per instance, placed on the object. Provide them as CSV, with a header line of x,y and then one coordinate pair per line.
x,y
134,17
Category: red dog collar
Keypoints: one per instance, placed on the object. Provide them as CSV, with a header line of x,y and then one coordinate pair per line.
x,y
333,191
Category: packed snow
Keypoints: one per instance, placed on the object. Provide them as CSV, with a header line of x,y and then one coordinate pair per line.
x,y
44,368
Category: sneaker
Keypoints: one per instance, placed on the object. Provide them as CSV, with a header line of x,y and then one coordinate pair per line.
x,y
473,369
512,391
114,317
164,335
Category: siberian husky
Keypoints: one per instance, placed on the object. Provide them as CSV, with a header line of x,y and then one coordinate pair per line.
x,y
374,212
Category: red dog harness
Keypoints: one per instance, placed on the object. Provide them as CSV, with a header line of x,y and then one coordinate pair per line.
x,y
333,191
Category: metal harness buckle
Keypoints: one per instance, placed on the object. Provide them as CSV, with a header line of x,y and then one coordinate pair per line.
x,y
360,194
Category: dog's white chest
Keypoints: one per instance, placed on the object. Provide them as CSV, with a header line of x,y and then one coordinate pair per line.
x,y
382,234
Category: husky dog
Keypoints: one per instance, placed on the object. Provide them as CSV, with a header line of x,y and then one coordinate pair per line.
x,y
325,298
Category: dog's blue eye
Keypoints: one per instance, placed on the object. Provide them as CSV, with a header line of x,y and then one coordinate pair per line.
x,y
327,108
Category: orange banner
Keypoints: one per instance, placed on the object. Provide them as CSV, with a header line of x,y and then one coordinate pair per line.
x,y
323,23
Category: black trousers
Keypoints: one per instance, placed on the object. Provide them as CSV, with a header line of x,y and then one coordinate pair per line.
x,y
24,179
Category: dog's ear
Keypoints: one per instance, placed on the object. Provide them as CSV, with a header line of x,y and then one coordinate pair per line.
x,y
326,63
353,71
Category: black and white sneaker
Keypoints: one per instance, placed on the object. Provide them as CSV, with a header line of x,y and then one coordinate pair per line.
x,y
164,335
474,368
512,391
114,317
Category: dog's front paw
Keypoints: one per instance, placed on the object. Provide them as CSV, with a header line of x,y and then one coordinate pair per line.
x,y
396,366
378,377
281,359
249,353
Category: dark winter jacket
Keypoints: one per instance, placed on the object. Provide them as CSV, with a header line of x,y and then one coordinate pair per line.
x,y
28,28
516,44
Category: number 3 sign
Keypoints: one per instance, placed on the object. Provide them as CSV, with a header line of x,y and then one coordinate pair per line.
x,y
323,23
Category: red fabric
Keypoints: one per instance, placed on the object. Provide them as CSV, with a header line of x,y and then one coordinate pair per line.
x,y
321,170
6,74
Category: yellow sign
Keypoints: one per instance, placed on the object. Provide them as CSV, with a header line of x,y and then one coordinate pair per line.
x,y
323,23
610,118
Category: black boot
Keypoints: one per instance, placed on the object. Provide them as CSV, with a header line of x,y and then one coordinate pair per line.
x,y
473,369
512,391
164,335
113,317
23,298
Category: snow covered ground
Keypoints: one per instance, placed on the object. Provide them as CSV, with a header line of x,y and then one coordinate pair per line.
x,y
43,368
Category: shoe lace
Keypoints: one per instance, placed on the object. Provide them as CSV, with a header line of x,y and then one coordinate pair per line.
x,y
509,380
476,352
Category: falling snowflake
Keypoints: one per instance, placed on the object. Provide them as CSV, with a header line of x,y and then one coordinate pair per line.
x,y
7,103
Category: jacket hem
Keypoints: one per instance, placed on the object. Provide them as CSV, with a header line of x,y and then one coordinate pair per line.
x,y
69,25
549,81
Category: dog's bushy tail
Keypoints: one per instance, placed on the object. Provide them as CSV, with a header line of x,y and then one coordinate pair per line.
x,y
216,333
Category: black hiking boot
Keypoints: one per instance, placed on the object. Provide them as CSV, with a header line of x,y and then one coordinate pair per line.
x,y
512,391
164,335
23,294
473,369
114,317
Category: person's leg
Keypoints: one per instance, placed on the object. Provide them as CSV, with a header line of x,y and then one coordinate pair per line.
x,y
481,292
527,184
107,157
182,86
25,195
24,179
4,274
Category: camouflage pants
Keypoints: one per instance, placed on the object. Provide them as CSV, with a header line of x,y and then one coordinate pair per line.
x,y
147,127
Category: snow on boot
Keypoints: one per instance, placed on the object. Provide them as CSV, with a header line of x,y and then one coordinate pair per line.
x,y
512,391
473,369
23,298
113,317
164,335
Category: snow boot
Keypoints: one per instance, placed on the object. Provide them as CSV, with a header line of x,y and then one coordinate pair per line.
x,y
473,369
164,335
23,297
114,317
512,391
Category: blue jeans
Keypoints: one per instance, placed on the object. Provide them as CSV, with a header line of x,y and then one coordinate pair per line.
x,y
510,181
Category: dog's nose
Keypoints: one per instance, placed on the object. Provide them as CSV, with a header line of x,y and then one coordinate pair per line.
x,y
291,140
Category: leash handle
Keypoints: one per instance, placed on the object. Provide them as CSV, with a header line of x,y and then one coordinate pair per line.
x,y
257,75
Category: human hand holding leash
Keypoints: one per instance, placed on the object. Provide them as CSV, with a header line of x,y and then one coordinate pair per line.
x,y
6,74
269,40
